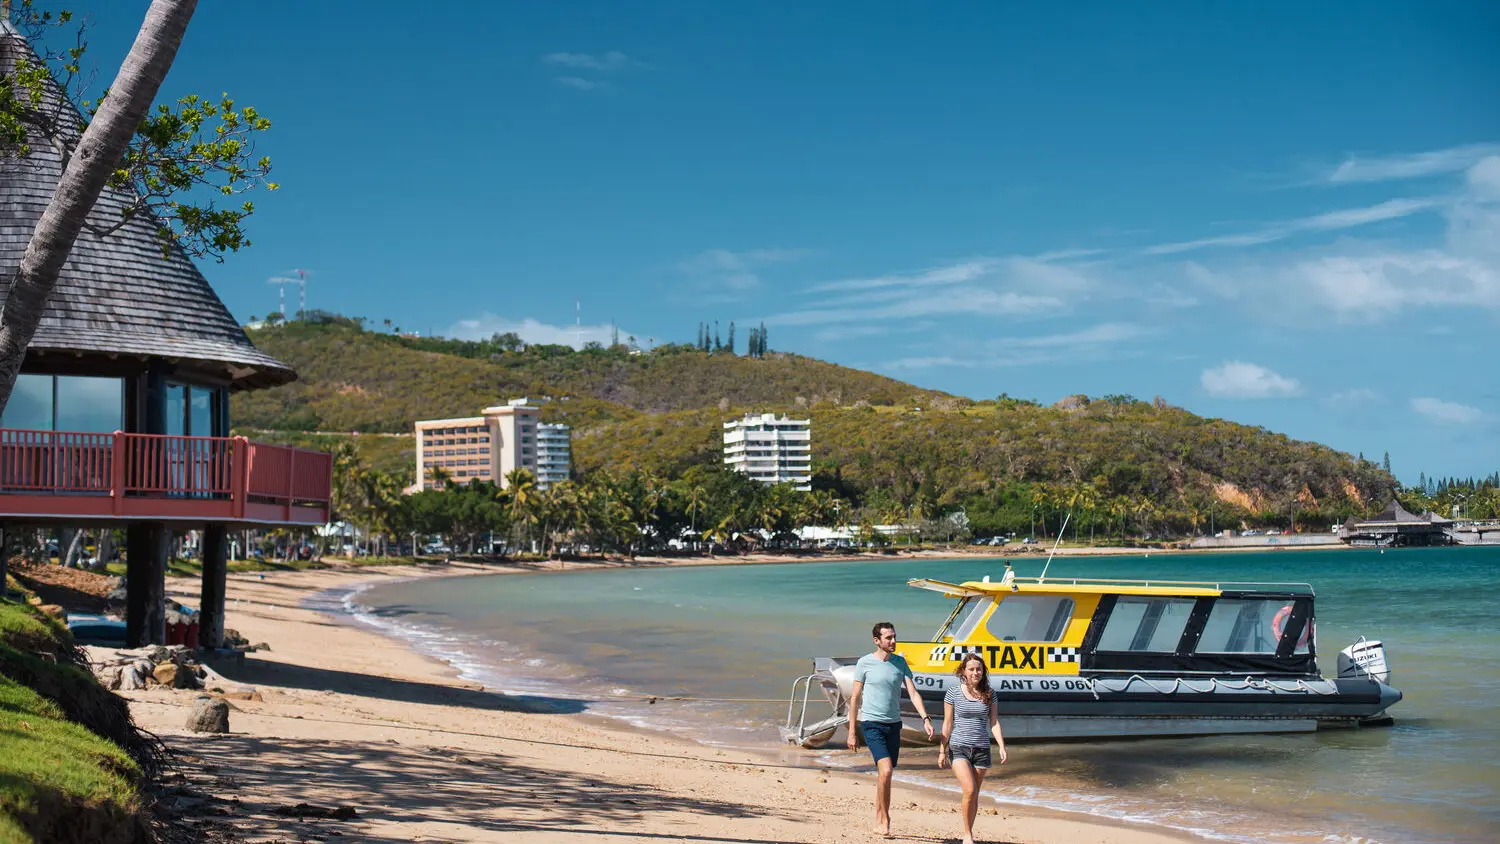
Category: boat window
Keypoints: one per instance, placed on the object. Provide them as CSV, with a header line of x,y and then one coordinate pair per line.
x,y
1245,626
1153,625
966,625
1031,618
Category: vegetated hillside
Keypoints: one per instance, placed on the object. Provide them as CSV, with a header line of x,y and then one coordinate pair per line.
x,y
353,380
1121,448
874,438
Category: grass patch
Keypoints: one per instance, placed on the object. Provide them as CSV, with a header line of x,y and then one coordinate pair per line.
x,y
194,568
60,781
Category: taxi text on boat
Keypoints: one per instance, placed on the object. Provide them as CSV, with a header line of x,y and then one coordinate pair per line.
x,y
1085,658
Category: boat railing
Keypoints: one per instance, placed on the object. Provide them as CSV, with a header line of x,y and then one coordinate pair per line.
x,y
1221,585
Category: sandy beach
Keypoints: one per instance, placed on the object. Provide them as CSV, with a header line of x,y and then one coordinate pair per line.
x,y
341,716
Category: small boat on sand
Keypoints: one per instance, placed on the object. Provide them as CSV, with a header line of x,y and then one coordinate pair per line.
x,y
1075,658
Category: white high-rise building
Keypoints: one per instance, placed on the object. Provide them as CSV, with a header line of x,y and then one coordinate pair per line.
x,y
770,450
554,453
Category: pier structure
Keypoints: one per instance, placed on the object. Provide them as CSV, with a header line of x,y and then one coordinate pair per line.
x,y
1395,526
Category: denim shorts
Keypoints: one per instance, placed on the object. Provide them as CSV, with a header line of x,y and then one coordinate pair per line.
x,y
884,740
979,757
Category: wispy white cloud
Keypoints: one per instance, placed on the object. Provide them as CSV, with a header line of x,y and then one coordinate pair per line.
x,y
1412,166
531,330
610,62
588,68
931,362
1447,412
854,332
1331,221
1369,281
729,273
1109,332
1354,395
1016,271
1092,343
959,300
1240,380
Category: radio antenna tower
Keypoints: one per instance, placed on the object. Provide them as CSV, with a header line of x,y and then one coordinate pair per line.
x,y
578,329
282,282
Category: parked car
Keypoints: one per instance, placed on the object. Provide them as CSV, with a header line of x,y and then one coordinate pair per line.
x,y
1030,540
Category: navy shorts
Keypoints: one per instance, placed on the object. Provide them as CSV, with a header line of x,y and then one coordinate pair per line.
x,y
884,740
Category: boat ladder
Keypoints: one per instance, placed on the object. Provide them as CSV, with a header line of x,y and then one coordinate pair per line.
x,y
796,730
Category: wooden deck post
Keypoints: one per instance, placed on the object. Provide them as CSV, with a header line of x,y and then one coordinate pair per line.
x,y
291,483
148,546
215,567
117,473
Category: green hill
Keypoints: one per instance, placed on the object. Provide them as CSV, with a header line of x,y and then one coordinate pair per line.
x,y
874,438
353,380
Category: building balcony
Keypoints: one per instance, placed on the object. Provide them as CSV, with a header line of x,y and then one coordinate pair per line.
x,y
80,477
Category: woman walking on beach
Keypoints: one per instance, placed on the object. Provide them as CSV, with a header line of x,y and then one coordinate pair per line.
x,y
969,719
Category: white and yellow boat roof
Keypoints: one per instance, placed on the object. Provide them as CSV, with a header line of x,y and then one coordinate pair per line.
x,y
1099,586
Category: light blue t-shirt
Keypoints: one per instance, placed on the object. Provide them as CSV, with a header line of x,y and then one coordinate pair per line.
x,y
880,699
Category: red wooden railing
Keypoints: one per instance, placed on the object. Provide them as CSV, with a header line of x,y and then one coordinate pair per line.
x,y
135,466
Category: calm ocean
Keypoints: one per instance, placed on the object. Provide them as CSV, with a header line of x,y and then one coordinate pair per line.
x,y
608,637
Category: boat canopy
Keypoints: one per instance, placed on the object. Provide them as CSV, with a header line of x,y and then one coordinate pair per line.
x,y
1100,586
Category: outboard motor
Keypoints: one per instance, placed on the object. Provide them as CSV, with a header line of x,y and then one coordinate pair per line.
x,y
1364,658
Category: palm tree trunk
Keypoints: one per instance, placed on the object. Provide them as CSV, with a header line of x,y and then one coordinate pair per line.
x,y
98,153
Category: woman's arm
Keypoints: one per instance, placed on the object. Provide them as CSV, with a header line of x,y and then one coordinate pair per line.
x,y
995,728
947,734
859,686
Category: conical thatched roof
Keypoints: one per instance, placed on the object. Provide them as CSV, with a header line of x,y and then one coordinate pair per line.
x,y
1394,512
118,295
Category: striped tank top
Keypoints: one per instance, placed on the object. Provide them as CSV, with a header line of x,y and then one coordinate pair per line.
x,y
971,719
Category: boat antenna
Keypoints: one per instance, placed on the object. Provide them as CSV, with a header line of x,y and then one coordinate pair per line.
x,y
1060,533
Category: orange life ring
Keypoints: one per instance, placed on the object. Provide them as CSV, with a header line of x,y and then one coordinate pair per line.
x,y
1278,624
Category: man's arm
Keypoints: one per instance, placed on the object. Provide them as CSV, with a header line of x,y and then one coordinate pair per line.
x,y
916,700
859,686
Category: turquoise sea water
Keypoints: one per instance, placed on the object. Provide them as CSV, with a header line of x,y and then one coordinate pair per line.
x,y
609,637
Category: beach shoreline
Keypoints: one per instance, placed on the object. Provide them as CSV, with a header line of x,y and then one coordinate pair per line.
x,y
344,715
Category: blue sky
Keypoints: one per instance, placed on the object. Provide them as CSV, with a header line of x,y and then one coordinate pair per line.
x,y
1283,214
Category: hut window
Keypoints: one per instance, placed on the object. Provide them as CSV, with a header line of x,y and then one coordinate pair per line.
x,y
194,411
66,403
30,405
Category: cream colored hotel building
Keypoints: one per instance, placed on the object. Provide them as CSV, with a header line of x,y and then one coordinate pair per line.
x,y
489,446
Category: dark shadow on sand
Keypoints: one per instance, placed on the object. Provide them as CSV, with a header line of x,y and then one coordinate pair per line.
x,y
386,781
256,672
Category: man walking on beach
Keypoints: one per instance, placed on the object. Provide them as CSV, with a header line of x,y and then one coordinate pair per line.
x,y
875,713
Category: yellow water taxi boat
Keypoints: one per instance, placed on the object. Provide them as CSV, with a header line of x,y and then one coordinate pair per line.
x,y
1088,658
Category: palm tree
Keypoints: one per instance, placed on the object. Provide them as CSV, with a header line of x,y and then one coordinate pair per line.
x,y
1119,507
1041,496
520,497
697,497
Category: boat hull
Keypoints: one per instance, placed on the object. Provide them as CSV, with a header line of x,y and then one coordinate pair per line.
x,y
1136,706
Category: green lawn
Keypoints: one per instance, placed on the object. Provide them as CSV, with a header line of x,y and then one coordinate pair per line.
x,y
58,781
194,568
